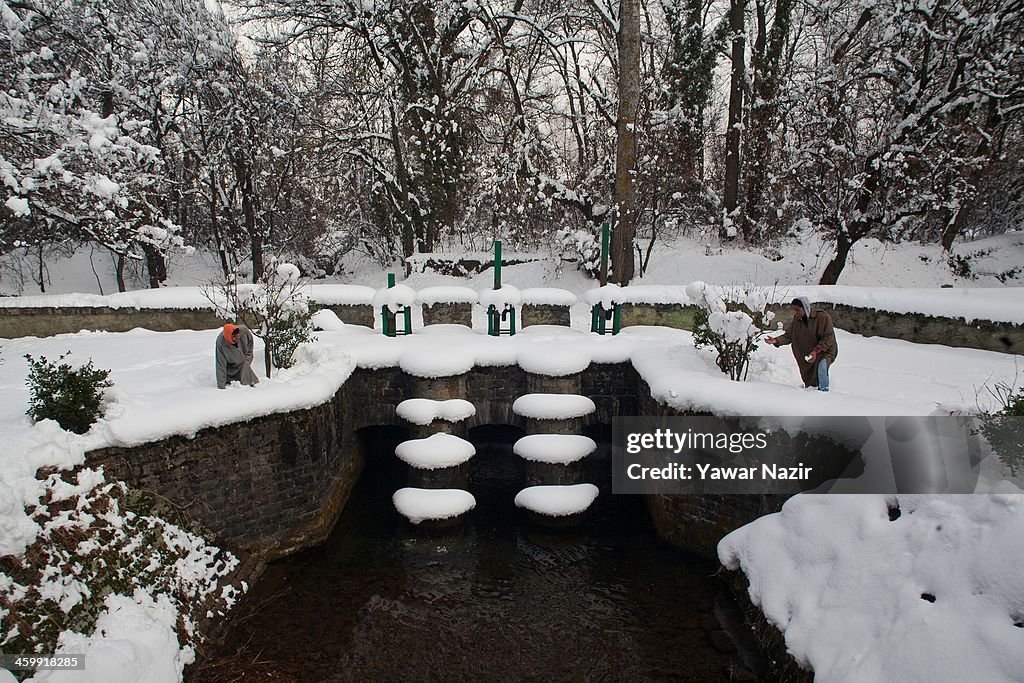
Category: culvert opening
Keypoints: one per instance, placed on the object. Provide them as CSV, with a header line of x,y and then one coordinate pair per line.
x,y
501,600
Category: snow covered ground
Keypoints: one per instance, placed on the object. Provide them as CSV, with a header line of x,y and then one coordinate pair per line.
x,y
936,594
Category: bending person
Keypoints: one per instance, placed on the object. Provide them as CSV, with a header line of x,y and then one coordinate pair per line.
x,y
233,356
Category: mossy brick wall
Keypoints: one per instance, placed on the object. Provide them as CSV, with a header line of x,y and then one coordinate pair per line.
x,y
667,315
269,485
458,313
545,314
46,322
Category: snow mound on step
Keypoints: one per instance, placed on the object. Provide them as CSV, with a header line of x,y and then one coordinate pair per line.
x,y
557,501
394,297
433,361
418,505
435,451
548,296
553,406
936,594
558,449
342,295
554,359
423,411
446,295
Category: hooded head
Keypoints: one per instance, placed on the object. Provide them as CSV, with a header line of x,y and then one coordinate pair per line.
x,y
232,333
804,303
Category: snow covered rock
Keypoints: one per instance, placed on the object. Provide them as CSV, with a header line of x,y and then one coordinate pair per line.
x,y
436,361
435,452
327,320
418,505
423,411
553,406
558,449
557,501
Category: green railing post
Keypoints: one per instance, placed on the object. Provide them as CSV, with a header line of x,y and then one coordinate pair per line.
x,y
606,230
385,319
497,264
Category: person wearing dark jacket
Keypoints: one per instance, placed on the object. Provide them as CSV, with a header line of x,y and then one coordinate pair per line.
x,y
233,356
814,342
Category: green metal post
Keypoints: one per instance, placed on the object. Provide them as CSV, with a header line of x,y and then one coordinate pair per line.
x,y
606,230
497,264
385,313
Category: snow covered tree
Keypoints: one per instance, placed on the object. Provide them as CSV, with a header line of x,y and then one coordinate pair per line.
x,y
893,122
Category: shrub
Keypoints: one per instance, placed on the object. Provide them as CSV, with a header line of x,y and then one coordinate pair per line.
x,y
732,321
1004,427
287,333
71,396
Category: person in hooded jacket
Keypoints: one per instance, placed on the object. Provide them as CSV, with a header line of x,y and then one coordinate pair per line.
x,y
233,356
814,342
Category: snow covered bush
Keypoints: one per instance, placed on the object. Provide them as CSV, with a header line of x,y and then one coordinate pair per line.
x,y
732,321
1004,428
71,396
582,246
276,307
101,539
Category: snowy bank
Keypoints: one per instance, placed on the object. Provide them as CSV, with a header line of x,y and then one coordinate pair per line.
x,y
913,588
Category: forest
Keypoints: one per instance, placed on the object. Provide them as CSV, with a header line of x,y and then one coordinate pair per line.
x,y
307,130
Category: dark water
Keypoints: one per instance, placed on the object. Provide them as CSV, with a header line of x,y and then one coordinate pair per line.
x,y
499,601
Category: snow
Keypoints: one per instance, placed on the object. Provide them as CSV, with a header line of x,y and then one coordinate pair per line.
x,y
18,205
553,406
430,296
288,272
930,596
395,298
506,296
548,296
418,505
341,295
437,451
134,642
556,359
429,363
326,319
557,501
560,449
423,411
607,296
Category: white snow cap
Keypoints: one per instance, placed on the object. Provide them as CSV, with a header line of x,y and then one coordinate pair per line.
x,y
19,205
548,296
394,297
289,272
500,297
557,501
342,295
418,505
429,296
435,452
558,449
432,361
556,359
553,406
423,411
607,296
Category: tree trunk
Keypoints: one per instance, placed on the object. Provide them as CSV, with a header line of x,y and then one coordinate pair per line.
x,y
954,226
625,151
42,269
838,262
730,194
119,272
156,266
215,226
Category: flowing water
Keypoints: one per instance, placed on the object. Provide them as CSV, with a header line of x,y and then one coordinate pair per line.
x,y
499,601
